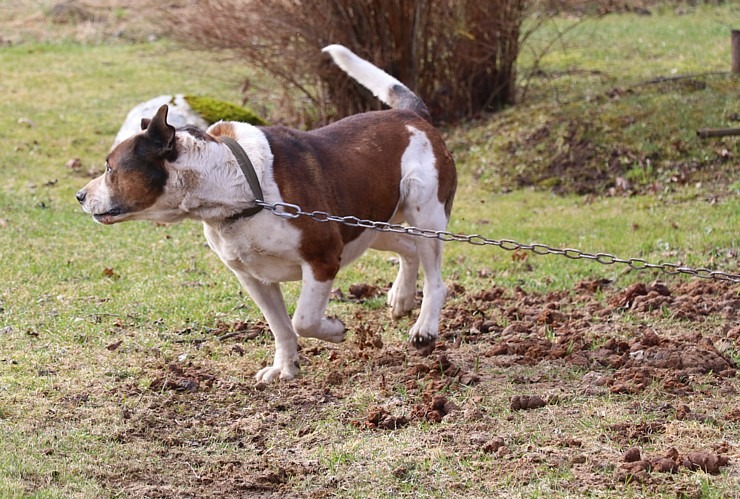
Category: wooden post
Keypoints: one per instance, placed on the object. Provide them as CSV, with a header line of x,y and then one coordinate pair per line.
x,y
736,51
706,133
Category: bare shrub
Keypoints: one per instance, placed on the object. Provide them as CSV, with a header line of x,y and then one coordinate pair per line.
x,y
458,55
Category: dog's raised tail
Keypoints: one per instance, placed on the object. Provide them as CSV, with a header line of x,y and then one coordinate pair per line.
x,y
385,87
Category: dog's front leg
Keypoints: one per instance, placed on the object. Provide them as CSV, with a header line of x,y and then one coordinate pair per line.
x,y
308,319
269,299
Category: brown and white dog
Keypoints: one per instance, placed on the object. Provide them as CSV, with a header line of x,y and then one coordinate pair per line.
x,y
389,165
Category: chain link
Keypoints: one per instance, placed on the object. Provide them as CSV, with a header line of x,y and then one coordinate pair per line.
x,y
292,211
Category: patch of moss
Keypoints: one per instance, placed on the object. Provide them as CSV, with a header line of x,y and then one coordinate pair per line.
x,y
213,110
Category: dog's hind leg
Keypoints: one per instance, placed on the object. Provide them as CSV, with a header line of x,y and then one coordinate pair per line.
x,y
422,208
269,299
424,332
402,295
308,319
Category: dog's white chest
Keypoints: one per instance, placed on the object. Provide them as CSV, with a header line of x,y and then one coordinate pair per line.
x,y
267,251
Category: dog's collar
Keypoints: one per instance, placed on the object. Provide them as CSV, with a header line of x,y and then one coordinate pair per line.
x,y
248,169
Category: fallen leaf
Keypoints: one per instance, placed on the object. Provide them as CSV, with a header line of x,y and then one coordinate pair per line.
x,y
519,256
114,345
363,291
107,272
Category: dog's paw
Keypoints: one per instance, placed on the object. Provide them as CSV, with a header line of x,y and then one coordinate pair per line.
x,y
285,370
329,329
425,346
333,330
422,341
401,303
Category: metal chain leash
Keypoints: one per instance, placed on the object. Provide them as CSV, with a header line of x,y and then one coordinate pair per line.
x,y
291,211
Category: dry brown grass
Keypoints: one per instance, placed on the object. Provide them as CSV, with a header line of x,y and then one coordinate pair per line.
x,y
82,21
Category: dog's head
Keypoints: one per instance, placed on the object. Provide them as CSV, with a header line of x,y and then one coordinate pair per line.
x,y
136,176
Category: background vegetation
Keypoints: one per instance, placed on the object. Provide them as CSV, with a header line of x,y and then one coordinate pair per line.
x,y
426,44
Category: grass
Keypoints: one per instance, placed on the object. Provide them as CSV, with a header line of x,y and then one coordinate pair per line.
x,y
586,104
677,232
661,44
82,418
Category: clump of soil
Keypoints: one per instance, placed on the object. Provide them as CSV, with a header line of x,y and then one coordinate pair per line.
x,y
440,373
435,410
380,418
638,469
495,445
526,402
428,379
527,329
181,378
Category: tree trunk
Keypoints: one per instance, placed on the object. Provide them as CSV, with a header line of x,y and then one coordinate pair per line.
x,y
736,51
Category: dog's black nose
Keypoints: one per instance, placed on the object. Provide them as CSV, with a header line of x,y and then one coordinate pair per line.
x,y
81,195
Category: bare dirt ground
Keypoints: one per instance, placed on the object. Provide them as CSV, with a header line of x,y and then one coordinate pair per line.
x,y
613,388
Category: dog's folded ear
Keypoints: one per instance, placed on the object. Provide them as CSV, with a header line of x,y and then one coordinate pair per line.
x,y
160,135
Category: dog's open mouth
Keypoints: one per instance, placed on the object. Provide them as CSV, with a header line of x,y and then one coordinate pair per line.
x,y
109,217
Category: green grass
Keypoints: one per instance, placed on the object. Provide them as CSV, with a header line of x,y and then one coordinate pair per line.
x,y
631,48
80,420
586,102
692,231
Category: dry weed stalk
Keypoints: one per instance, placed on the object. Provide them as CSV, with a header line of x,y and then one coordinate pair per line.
x,y
458,55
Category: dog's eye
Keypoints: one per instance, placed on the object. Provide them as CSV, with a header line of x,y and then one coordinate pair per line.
x,y
107,167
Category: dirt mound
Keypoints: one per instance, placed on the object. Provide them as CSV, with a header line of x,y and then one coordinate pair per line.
x,y
637,469
498,366
574,327
514,327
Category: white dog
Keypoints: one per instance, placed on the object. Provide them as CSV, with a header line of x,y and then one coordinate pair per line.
x,y
180,115
389,165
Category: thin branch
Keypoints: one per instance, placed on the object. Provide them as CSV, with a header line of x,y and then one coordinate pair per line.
x,y
538,59
662,79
